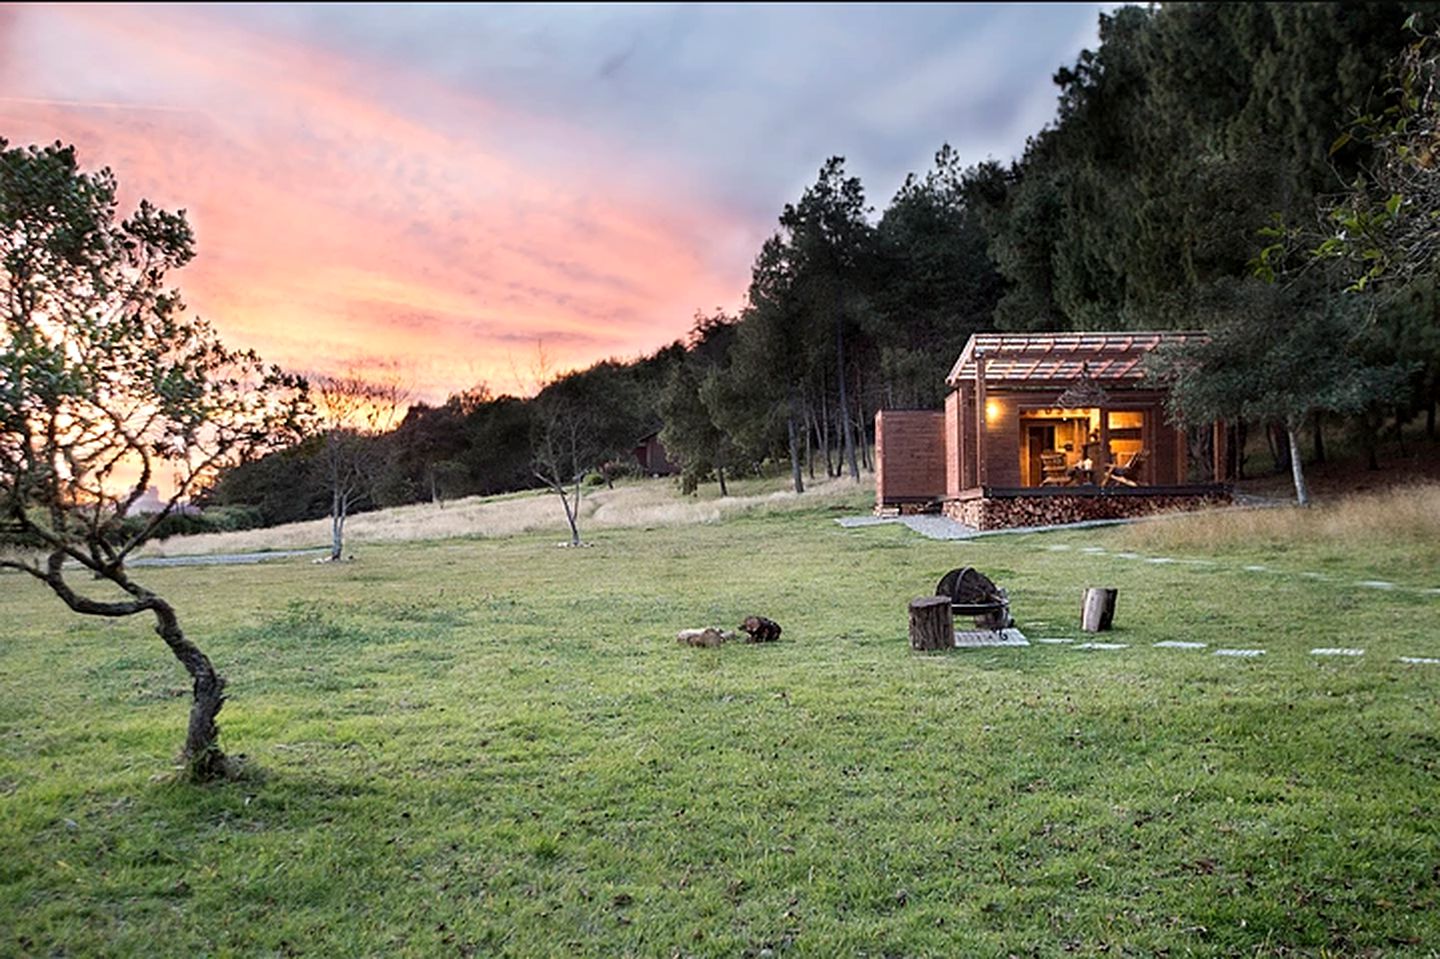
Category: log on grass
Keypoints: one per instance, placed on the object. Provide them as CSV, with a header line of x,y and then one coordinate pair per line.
x,y
932,624
1098,610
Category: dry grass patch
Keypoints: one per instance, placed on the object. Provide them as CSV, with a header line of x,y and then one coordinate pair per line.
x,y
636,504
1403,519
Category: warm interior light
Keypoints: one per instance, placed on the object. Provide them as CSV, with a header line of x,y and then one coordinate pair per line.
x,y
992,410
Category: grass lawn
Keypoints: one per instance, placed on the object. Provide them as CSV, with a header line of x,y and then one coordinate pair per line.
x,y
494,747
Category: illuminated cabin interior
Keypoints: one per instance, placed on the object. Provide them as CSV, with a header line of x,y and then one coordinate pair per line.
x,y
1074,435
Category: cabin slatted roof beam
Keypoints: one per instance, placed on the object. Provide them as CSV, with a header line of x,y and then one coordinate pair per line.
x,y
1049,358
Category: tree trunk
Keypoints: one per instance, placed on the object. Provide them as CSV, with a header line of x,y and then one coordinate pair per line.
x,y
202,756
1098,610
862,424
1241,435
794,451
1434,397
572,513
1430,406
1371,421
932,624
1318,431
830,469
337,526
1279,450
846,436
720,474
811,430
861,440
1297,471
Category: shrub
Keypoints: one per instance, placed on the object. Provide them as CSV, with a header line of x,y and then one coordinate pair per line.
x,y
217,519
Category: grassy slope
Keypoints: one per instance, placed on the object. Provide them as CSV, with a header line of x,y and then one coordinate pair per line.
x,y
494,747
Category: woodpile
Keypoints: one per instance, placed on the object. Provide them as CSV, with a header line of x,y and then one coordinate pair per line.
x,y
709,637
1006,512
756,629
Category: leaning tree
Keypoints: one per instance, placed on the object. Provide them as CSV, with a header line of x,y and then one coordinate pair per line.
x,y
107,389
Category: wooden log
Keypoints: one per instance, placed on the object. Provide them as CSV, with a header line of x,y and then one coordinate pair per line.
x,y
1098,610
932,625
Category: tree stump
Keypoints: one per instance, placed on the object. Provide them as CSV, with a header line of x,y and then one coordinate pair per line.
x,y
1098,611
932,625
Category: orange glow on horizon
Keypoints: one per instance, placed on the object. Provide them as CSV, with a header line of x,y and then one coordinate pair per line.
x,y
338,230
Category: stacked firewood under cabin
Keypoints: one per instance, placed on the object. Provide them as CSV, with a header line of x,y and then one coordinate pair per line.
x,y
995,510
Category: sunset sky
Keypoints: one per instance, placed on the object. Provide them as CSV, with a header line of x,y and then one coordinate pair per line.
x,y
433,190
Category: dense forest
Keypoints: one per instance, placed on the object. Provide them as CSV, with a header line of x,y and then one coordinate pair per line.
x,y
1259,170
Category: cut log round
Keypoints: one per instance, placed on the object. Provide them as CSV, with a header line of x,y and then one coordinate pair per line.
x,y
932,625
1098,611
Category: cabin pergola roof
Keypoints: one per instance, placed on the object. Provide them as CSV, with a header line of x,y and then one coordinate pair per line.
x,y
1048,359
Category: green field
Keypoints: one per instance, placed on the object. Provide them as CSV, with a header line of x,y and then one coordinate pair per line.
x,y
494,747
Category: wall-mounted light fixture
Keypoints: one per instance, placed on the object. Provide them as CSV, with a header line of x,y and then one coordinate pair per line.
x,y
993,410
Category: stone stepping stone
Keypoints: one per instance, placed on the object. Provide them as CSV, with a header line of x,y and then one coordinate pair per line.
x,y
1160,560
1239,652
1055,640
1375,584
1094,550
1257,569
1420,660
1177,644
1103,646
1337,651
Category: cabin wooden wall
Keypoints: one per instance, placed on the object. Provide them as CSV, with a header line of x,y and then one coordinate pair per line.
x,y
1002,436
910,460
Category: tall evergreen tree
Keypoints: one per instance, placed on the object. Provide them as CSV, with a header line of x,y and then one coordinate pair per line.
x,y
826,238
931,283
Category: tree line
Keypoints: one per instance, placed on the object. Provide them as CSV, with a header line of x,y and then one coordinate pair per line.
x,y
1196,163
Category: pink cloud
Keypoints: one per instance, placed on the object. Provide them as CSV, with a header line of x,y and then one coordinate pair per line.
x,y
349,218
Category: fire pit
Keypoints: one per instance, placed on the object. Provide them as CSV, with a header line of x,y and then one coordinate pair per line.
x,y
974,594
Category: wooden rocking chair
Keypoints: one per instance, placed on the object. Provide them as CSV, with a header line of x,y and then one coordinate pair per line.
x,y
1126,473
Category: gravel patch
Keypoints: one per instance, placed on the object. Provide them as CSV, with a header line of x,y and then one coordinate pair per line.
x,y
226,559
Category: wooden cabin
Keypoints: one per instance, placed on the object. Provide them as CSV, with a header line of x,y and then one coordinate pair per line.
x,y
1044,428
651,456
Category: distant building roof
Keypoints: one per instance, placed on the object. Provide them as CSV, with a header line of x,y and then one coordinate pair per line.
x,y
149,501
1050,358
